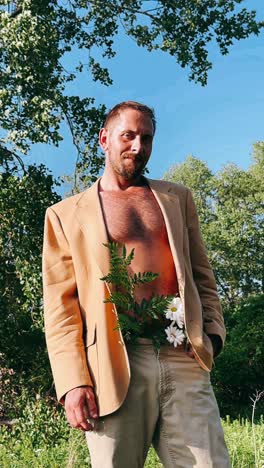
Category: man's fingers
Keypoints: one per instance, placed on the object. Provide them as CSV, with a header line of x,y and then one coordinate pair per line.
x,y
92,406
190,352
71,418
80,405
85,427
81,417
77,421
85,411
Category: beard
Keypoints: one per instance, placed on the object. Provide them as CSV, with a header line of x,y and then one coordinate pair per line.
x,y
130,165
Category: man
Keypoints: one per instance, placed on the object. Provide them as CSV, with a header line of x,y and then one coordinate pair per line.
x,y
126,397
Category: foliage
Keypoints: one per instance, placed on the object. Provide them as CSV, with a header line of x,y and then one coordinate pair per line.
x,y
23,201
239,368
71,449
38,37
230,208
41,420
8,388
240,443
123,296
257,169
40,436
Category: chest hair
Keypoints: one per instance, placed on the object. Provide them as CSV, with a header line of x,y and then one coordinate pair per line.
x,y
133,217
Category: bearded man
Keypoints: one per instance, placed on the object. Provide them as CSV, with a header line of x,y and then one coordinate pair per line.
x,y
127,397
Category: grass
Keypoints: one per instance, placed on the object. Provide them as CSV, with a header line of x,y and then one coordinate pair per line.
x,y
18,452
241,446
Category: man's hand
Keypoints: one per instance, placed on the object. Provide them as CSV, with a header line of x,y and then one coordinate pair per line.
x,y
190,351
216,343
80,405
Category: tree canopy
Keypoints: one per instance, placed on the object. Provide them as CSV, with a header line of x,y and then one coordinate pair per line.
x,y
230,206
37,36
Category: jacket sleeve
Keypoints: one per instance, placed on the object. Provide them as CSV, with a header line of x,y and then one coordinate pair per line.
x,y
203,275
62,316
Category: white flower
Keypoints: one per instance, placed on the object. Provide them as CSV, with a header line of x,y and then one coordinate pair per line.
x,y
175,312
174,335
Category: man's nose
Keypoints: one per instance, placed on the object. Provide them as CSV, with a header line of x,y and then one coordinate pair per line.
x,y
136,144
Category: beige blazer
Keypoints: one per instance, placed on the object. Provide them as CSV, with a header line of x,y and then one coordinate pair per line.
x,y
83,344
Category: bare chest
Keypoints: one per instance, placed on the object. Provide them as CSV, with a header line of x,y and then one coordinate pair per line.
x,y
133,217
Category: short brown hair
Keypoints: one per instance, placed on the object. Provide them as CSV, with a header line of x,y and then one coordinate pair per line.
x,y
115,111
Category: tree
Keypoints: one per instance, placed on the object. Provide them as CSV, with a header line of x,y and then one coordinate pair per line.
x,y
257,168
239,370
23,201
230,207
36,36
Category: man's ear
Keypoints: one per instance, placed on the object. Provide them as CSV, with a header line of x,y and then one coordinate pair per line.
x,y
103,139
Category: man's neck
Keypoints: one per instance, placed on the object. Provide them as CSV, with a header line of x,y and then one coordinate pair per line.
x,y
119,183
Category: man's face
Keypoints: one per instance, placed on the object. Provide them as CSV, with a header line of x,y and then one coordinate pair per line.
x,y
127,143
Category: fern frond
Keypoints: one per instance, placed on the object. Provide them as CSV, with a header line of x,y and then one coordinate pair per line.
x,y
157,306
130,257
118,275
123,252
121,300
142,278
130,328
123,297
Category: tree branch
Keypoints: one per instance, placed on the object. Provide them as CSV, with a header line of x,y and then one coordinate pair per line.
x,y
79,151
16,12
8,155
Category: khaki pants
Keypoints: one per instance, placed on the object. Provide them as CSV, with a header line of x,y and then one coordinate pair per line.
x,y
171,405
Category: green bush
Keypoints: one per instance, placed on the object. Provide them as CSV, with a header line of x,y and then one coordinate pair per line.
x,y
238,373
41,437
42,423
23,359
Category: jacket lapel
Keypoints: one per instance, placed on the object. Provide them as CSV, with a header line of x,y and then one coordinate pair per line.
x,y
170,208
90,216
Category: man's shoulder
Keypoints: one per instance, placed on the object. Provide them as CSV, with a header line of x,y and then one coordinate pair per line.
x,y
169,187
68,205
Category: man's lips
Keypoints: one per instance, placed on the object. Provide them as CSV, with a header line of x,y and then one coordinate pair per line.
x,y
132,157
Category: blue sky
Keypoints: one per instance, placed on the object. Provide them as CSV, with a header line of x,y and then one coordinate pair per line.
x,y
217,123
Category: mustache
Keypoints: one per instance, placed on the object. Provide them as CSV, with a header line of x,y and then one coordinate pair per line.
x,y
135,157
